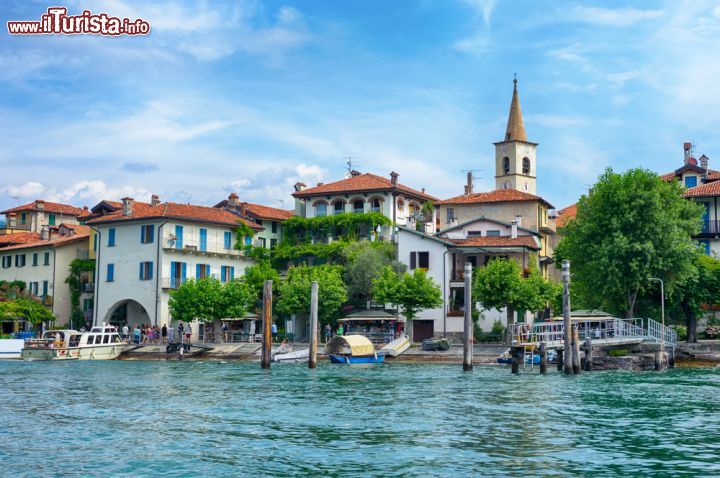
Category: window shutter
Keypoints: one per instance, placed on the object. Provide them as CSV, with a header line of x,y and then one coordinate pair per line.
x,y
173,271
232,272
142,234
142,268
183,271
150,270
197,271
207,270
152,233
413,260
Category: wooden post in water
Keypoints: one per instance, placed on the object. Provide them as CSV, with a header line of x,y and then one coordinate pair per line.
x,y
576,350
267,324
671,358
517,356
588,355
560,360
567,336
312,359
658,360
468,328
543,359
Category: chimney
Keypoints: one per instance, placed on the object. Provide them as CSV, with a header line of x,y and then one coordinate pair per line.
x,y
518,220
45,233
354,173
40,204
299,186
687,148
393,178
320,184
467,190
469,187
704,165
232,200
12,219
85,208
513,229
154,200
127,206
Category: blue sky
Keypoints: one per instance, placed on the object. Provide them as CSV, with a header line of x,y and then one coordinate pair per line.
x,y
253,96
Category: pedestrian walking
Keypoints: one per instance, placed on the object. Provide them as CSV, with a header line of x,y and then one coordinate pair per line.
x,y
328,333
181,332
273,330
125,332
163,333
188,333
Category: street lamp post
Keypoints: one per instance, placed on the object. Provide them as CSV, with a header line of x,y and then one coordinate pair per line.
x,y
662,307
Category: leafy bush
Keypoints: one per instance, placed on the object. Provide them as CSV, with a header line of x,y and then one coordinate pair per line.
x,y
497,328
682,331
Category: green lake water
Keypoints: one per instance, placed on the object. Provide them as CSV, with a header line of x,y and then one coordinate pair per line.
x,y
212,419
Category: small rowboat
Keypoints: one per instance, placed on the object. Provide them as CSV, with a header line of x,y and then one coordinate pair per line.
x,y
436,344
397,346
353,349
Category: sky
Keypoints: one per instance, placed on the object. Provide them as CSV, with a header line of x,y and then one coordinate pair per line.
x,y
253,96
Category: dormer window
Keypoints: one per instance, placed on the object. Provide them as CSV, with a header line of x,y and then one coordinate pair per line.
x,y
526,166
506,165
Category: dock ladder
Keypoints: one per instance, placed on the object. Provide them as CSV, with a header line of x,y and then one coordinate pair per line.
x,y
528,356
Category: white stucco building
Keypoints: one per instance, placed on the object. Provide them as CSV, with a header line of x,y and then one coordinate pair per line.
x,y
144,251
43,264
362,193
33,216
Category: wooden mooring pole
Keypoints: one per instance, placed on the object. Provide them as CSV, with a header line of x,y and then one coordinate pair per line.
x,y
567,337
588,355
560,361
267,324
576,350
543,359
312,359
517,355
468,328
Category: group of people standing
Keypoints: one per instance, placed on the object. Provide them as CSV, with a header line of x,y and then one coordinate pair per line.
x,y
146,334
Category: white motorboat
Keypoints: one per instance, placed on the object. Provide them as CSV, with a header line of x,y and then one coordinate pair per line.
x,y
101,343
290,355
397,346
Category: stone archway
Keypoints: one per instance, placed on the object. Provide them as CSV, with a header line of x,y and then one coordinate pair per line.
x,y
127,311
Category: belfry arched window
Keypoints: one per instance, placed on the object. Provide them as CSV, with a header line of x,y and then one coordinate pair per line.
x,y
506,165
526,166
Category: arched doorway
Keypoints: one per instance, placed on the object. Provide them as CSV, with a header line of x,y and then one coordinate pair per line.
x,y
127,311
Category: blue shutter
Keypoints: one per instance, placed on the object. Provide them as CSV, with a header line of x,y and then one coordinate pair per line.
x,y
228,238
222,273
111,237
232,273
183,271
179,237
152,233
248,240
207,270
142,234
110,272
142,269
203,239
197,271
173,271
151,265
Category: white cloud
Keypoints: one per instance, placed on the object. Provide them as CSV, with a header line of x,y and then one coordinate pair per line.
x,y
618,17
619,79
86,192
479,42
24,191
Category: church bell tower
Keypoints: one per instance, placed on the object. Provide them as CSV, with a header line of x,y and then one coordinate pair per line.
x,y
515,155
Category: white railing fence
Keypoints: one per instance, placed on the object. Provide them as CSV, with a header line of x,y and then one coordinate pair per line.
x,y
608,330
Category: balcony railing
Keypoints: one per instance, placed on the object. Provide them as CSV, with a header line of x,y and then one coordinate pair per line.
x,y
710,227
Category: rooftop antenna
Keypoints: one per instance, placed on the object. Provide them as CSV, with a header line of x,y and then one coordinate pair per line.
x,y
349,163
470,179
282,203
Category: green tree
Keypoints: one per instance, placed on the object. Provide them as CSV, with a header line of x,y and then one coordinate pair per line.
x,y
238,298
698,289
294,291
200,299
500,284
412,293
366,261
256,275
25,308
630,227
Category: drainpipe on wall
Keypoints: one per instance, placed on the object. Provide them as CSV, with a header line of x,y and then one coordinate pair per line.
x,y
157,275
52,308
97,274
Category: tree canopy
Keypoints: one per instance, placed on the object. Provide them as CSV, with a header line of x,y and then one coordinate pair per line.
x,y
365,262
412,293
294,291
630,227
25,308
698,289
209,299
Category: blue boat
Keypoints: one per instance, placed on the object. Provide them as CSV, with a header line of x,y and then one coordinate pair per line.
x,y
352,349
348,359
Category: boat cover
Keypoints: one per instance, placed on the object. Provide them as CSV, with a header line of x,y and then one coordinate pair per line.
x,y
358,345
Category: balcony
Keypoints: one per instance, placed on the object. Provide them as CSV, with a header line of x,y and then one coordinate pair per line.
x,y
710,228
88,287
548,227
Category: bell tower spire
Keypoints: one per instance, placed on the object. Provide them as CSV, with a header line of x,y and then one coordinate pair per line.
x,y
515,155
515,128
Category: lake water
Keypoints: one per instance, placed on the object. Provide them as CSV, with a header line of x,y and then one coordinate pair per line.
x,y
234,419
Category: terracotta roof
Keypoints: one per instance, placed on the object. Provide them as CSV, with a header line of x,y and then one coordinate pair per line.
x,y
565,214
713,175
498,195
497,241
704,190
258,210
176,211
267,212
515,128
51,207
360,183
54,242
18,238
